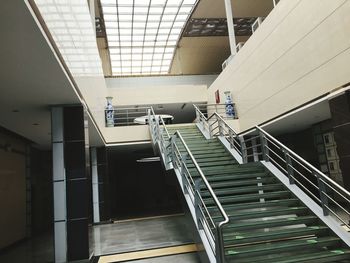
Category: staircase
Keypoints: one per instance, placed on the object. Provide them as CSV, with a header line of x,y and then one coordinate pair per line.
x,y
267,223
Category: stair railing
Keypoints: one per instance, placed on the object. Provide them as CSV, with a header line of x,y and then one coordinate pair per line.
x,y
157,129
332,197
216,126
194,183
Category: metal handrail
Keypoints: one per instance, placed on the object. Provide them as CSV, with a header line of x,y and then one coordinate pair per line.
x,y
219,108
224,129
219,246
191,184
156,133
332,197
125,116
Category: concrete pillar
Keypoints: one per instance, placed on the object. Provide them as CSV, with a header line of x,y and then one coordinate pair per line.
x,y
59,186
95,190
71,183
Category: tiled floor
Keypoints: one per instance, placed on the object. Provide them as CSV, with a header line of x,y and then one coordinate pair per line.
x,y
140,234
112,238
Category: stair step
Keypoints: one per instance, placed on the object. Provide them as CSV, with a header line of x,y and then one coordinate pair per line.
x,y
266,213
253,205
249,197
214,159
287,221
246,189
229,177
211,155
233,170
250,237
201,148
334,255
212,164
278,247
244,182
197,152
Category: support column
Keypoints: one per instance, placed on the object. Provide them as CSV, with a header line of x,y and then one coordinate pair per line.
x,y
59,186
103,183
230,26
95,192
71,183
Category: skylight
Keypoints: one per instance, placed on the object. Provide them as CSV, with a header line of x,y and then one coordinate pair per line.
x,y
142,34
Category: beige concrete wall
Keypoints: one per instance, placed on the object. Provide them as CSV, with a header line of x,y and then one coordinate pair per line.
x,y
127,134
12,192
300,52
160,94
154,90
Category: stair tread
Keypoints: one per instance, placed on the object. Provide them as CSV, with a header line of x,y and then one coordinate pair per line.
x,y
333,255
245,189
247,197
292,220
266,213
252,205
296,232
320,256
323,241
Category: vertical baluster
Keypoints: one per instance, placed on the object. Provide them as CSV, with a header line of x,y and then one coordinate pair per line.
x,y
289,165
231,139
197,203
184,172
210,130
255,150
322,191
221,132
219,245
243,150
265,150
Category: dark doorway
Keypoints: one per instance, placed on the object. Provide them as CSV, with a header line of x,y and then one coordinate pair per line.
x,y
140,187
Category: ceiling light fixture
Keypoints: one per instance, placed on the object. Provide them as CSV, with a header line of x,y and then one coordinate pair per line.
x,y
148,160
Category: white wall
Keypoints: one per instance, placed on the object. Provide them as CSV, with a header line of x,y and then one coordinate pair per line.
x,y
300,52
153,90
125,134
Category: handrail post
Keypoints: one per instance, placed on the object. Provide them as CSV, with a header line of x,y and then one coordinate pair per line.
x,y
243,150
210,131
168,151
219,245
221,131
322,191
265,151
172,149
289,166
197,184
231,140
255,150
183,171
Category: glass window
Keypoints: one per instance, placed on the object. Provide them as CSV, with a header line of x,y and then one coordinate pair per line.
x,y
140,31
